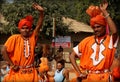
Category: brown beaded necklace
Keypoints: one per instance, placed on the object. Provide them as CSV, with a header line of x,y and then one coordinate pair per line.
x,y
100,42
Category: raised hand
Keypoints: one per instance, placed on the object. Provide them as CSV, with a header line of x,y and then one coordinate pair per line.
x,y
104,5
38,7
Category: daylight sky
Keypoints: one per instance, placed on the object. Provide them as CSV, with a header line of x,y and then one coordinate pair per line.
x,y
10,1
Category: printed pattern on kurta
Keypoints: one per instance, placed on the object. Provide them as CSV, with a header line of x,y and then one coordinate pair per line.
x,y
87,48
87,52
15,49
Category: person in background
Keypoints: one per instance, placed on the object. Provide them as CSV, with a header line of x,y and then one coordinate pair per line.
x,y
96,52
60,49
45,64
18,50
61,73
4,70
59,53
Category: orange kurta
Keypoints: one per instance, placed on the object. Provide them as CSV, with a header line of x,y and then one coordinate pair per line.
x,y
15,49
88,49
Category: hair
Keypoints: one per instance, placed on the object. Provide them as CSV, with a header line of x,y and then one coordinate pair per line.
x,y
62,62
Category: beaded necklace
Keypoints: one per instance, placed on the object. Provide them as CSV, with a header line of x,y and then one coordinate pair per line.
x,y
26,48
100,42
98,47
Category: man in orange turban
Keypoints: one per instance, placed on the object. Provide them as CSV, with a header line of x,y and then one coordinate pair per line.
x,y
26,21
96,52
18,50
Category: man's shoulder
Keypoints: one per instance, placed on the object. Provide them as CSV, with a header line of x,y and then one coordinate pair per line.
x,y
14,36
88,38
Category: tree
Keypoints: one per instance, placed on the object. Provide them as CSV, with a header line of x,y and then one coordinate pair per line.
x,y
75,9
13,12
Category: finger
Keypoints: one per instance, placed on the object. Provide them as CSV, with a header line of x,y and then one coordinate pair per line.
x,y
104,1
35,4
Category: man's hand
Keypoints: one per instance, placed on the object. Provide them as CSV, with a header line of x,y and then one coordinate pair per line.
x,y
81,76
15,68
38,7
104,5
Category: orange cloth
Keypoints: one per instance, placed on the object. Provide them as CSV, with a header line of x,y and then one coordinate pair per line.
x,y
43,69
88,48
103,77
99,19
43,65
96,16
93,11
85,47
26,21
15,49
116,73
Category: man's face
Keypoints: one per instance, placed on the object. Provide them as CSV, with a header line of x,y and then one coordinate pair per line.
x,y
59,66
99,30
25,31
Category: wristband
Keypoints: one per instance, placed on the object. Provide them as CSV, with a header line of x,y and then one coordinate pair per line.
x,y
107,15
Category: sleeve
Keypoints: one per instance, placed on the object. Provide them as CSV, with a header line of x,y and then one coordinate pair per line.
x,y
80,48
10,44
76,50
111,45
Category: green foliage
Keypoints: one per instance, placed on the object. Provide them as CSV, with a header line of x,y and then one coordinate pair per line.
x,y
19,9
75,9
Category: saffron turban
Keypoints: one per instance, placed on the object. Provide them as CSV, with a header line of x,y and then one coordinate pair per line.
x,y
96,16
27,21
99,19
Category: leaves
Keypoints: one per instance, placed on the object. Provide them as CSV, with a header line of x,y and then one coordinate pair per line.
x,y
75,9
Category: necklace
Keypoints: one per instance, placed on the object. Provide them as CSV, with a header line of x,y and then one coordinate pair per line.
x,y
26,48
98,47
99,43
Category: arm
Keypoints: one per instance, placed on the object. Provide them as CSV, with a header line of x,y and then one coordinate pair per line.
x,y
41,16
66,74
5,55
73,61
110,22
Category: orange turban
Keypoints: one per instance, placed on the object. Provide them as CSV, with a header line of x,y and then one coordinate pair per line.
x,y
96,16
93,11
99,19
26,21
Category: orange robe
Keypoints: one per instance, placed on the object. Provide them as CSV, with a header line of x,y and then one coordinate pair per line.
x,y
116,73
88,48
15,49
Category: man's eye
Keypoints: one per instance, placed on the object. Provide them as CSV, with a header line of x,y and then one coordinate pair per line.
x,y
98,26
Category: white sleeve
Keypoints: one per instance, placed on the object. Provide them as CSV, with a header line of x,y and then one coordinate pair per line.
x,y
111,42
76,50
